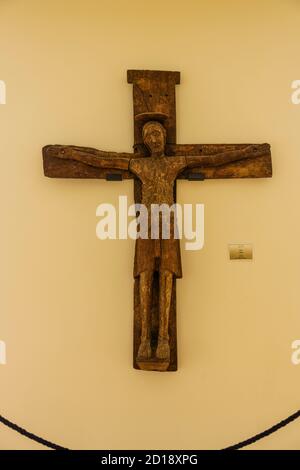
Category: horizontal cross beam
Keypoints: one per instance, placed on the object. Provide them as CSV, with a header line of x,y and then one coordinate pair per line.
x,y
256,167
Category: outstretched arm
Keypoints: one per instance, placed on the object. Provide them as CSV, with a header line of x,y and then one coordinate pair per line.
x,y
251,151
89,156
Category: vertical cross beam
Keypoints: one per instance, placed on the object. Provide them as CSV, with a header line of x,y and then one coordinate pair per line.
x,y
154,91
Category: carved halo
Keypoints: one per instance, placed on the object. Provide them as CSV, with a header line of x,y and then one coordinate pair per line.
x,y
151,116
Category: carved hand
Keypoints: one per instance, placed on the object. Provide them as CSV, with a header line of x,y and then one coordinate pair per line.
x,y
251,151
89,156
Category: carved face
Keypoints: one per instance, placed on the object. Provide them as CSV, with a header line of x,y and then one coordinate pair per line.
x,y
154,136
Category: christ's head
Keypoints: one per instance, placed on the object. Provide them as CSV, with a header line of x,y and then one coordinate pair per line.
x,y
154,137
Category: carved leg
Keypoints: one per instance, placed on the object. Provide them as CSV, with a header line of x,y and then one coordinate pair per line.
x,y
146,279
165,295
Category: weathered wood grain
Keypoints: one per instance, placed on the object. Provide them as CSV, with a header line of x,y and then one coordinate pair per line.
x,y
155,172
255,167
154,91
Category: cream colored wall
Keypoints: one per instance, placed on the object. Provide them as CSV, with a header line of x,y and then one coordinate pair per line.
x,y
66,297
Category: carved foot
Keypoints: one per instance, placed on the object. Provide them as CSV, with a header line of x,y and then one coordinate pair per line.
x,y
163,349
144,351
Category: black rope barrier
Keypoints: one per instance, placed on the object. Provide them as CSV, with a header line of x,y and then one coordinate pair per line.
x,y
30,435
265,433
237,446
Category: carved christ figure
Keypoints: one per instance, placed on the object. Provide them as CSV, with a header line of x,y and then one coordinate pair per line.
x,y
157,174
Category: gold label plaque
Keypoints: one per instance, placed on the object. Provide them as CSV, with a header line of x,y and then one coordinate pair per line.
x,y
241,251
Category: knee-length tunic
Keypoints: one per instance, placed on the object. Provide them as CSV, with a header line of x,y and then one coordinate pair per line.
x,y
157,175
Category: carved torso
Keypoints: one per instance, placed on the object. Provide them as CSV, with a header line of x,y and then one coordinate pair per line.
x,y
157,175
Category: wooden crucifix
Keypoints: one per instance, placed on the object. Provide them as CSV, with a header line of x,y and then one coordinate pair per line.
x,y
155,165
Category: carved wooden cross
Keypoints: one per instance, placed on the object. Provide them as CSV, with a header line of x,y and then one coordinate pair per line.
x,y
155,165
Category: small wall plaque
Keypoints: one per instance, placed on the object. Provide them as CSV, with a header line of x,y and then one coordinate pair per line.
x,y
241,251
